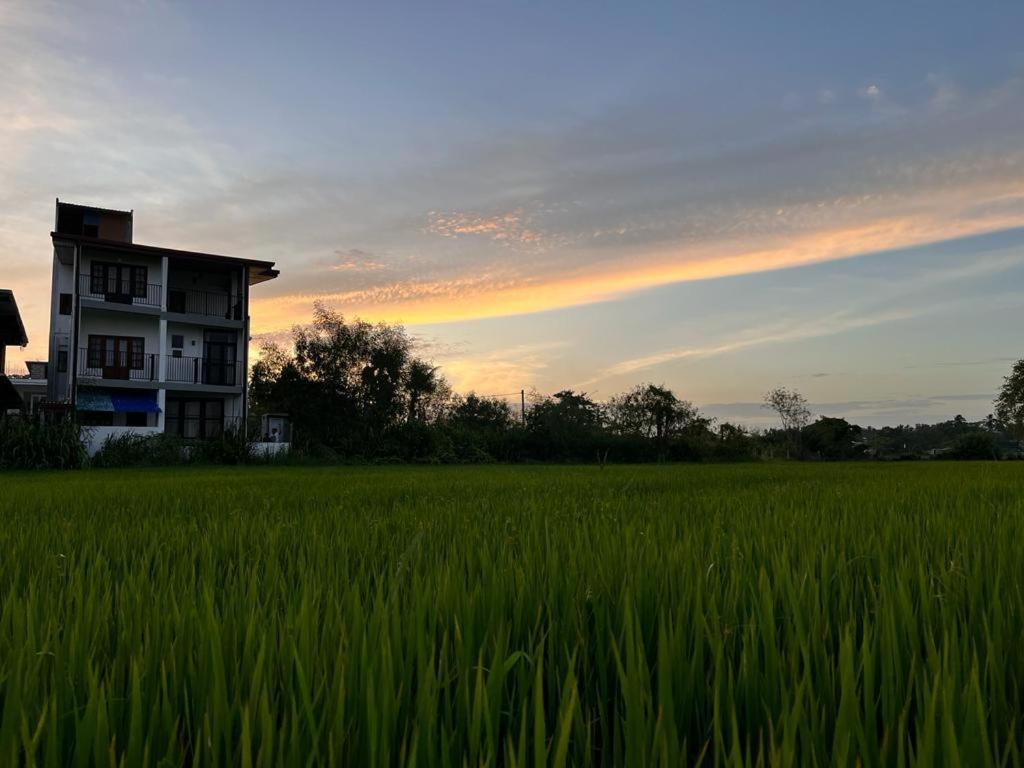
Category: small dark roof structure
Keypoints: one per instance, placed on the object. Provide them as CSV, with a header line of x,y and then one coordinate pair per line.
x,y
259,271
12,330
94,208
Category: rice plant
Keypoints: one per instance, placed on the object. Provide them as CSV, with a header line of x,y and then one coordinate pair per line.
x,y
716,615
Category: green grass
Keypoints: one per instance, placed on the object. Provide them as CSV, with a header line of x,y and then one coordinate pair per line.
x,y
774,614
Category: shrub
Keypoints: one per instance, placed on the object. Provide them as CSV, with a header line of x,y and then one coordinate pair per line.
x,y
28,442
130,450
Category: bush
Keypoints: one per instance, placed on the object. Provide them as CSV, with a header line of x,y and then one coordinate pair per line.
x,y
129,450
28,442
975,446
163,450
232,447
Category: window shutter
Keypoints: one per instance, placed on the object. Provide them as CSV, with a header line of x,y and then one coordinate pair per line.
x,y
97,277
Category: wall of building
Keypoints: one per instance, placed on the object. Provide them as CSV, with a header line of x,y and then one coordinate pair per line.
x,y
193,337
108,323
153,264
94,437
61,326
191,276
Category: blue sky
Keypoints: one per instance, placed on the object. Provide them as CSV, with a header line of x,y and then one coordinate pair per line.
x,y
718,197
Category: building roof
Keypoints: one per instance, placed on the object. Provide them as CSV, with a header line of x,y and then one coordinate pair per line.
x,y
259,271
12,330
95,208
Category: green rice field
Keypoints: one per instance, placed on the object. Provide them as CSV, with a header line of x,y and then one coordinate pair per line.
x,y
661,615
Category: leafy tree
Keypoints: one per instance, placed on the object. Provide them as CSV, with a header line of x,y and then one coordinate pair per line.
x,y
790,406
564,426
832,438
346,383
792,410
421,384
651,411
975,446
1009,404
477,412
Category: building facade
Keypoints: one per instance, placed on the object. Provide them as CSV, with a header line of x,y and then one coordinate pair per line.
x,y
145,339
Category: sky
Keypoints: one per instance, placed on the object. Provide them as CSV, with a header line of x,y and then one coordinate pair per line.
x,y
718,197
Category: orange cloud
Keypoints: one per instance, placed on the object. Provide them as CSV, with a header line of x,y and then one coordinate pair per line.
x,y
508,293
506,227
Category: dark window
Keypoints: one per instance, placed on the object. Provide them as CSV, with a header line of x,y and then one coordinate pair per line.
x,y
118,279
62,361
172,417
91,224
194,419
97,278
219,357
94,355
136,419
177,340
175,353
65,303
139,282
116,352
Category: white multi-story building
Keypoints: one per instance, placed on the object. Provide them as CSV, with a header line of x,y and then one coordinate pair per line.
x,y
146,339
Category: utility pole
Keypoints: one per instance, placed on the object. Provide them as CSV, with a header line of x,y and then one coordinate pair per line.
x,y
522,405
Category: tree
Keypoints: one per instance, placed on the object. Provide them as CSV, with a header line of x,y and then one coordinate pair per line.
x,y
832,438
651,411
791,408
347,383
566,425
1009,404
421,382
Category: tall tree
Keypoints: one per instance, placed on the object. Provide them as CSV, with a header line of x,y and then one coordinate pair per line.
x,y
792,411
790,406
347,382
1009,404
651,411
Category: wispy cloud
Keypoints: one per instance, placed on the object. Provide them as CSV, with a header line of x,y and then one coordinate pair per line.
x,y
506,228
498,372
356,260
837,323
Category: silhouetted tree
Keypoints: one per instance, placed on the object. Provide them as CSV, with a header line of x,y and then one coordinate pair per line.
x,y
832,438
792,411
1009,404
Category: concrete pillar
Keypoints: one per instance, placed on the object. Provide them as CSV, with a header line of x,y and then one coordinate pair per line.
x,y
164,270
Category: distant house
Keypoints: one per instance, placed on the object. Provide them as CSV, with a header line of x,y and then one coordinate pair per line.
x,y
145,339
31,385
12,334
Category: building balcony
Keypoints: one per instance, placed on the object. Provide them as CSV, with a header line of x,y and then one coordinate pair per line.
x,y
204,370
120,292
108,366
191,301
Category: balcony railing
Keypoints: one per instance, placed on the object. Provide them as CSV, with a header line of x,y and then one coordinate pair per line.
x,y
204,370
113,365
192,301
117,365
120,291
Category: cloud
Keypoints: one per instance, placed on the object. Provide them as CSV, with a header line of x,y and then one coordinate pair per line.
x,y
870,91
831,325
356,260
507,228
499,372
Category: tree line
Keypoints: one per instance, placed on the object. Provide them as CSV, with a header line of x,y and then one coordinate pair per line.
x,y
360,391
